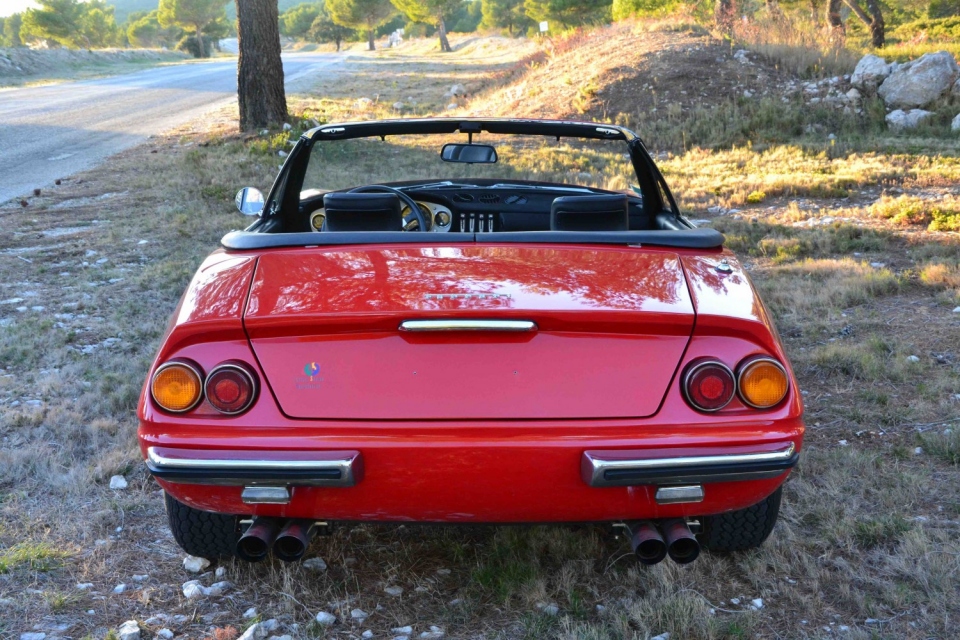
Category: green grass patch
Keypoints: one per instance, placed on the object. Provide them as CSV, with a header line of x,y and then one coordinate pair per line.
x,y
36,556
880,531
945,446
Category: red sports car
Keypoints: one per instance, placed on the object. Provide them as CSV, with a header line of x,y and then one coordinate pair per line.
x,y
470,321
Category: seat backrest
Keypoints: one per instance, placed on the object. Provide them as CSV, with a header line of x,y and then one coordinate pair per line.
x,y
362,212
603,212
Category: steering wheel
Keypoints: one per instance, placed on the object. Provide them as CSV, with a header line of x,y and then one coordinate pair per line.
x,y
407,200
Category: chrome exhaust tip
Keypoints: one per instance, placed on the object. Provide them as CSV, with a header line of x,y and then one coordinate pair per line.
x,y
254,544
646,542
292,541
682,545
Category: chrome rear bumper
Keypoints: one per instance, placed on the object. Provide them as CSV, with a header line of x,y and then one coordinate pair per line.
x,y
233,468
618,468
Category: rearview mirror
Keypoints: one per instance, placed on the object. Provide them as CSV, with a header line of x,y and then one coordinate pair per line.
x,y
249,201
469,153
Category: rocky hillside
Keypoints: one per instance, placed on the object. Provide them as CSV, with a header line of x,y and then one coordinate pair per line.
x,y
22,63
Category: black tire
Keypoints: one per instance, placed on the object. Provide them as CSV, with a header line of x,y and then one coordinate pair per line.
x,y
202,533
741,530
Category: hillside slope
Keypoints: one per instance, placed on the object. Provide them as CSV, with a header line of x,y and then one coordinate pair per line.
x,y
627,71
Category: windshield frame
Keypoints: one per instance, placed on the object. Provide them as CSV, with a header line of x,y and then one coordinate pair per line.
x,y
283,199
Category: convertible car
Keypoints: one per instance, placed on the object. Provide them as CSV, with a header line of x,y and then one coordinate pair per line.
x,y
470,321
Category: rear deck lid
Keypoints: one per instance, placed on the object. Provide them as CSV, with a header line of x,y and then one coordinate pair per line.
x,y
611,327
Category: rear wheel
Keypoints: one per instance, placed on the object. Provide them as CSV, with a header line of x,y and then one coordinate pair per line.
x,y
202,533
744,529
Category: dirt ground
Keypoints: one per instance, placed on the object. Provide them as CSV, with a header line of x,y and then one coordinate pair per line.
x,y
868,544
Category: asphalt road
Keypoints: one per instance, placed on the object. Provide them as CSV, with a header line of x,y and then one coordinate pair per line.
x,y
57,130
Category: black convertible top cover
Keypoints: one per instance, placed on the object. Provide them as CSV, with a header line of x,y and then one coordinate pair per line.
x,y
687,239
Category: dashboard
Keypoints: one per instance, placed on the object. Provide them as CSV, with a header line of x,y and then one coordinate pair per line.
x,y
480,209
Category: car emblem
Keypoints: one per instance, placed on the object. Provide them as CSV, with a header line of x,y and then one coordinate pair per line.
x,y
311,369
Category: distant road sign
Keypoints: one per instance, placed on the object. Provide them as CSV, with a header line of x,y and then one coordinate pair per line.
x,y
544,27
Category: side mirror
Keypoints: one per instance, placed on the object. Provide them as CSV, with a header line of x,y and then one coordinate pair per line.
x,y
249,201
469,153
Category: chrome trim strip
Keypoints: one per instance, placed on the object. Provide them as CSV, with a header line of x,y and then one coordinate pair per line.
x,y
265,495
677,495
686,468
468,325
343,471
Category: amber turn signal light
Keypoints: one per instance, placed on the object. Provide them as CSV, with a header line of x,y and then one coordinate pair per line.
x,y
231,388
709,385
762,383
177,387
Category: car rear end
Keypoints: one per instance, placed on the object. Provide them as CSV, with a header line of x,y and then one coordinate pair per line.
x,y
494,383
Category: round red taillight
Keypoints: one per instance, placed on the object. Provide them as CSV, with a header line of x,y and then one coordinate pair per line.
x,y
709,385
230,388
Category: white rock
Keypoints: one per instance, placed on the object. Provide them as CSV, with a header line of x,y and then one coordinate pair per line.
x,y
551,610
853,95
452,106
734,600
129,630
251,633
920,82
250,613
139,577
956,309
326,619
194,564
32,636
913,359
286,126
268,626
432,635
315,564
900,120
118,482
164,634
870,72
366,635
403,631
844,443
83,586
443,572
918,451
955,124
192,589
757,603
394,591
458,90
282,153
398,106
663,636
401,638
220,572
283,637
358,614
120,588
217,588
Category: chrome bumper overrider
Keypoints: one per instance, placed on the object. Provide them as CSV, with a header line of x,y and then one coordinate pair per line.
x,y
282,468
625,468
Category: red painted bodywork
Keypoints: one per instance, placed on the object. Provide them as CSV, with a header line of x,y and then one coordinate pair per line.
x,y
465,439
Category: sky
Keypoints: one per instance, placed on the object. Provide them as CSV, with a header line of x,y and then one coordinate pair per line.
x,y
14,6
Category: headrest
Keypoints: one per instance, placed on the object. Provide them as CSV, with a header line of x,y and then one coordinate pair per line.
x,y
605,212
362,212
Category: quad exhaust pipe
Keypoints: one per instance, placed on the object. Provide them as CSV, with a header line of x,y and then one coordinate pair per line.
x,y
289,539
652,542
255,543
292,541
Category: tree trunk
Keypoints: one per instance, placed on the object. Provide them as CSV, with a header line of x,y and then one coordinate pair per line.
x,y
259,69
371,45
877,26
200,47
833,16
338,40
442,32
723,13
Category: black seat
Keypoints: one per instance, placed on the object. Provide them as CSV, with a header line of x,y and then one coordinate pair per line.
x,y
362,212
605,212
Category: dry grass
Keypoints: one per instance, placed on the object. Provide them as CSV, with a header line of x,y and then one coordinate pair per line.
x,y
868,535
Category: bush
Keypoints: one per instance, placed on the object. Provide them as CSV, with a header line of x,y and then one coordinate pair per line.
x,y
946,29
188,44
